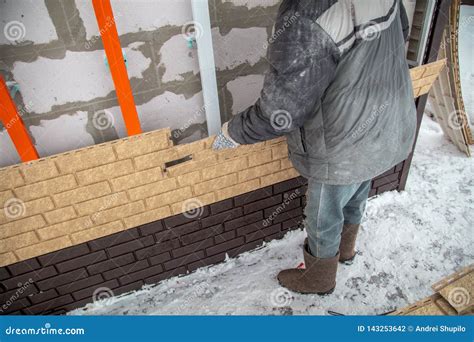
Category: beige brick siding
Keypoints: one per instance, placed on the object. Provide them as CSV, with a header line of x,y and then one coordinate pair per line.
x,y
60,201
424,76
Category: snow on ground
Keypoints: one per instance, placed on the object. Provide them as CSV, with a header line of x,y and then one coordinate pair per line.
x,y
409,241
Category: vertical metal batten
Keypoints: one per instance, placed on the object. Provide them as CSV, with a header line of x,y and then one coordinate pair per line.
x,y
207,65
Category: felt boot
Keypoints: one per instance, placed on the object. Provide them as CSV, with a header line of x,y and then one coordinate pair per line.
x,y
348,239
318,277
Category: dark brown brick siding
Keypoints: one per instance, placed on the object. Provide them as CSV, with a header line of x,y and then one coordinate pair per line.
x,y
388,181
113,240
61,281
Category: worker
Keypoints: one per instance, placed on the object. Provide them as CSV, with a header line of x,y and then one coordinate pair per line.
x,y
339,89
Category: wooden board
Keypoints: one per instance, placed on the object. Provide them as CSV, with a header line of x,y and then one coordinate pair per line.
x,y
424,307
445,95
454,296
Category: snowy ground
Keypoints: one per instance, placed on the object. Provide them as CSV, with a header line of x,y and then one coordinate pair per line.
x,y
409,241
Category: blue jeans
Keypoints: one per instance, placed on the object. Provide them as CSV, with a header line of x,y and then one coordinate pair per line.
x,y
328,208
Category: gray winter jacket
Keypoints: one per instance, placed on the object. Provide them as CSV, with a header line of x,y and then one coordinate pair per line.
x,y
339,89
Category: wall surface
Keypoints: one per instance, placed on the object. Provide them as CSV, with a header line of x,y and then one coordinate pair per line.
x,y
52,56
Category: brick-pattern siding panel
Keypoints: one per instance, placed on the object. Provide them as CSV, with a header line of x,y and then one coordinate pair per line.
x,y
62,280
424,76
83,195
388,181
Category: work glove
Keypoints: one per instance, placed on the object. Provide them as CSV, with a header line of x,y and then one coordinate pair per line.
x,y
223,139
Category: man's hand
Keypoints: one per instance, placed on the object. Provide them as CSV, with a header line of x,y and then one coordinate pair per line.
x,y
223,140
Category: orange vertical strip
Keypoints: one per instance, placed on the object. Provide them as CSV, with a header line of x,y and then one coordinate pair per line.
x,y
15,127
110,39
